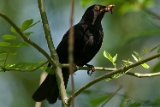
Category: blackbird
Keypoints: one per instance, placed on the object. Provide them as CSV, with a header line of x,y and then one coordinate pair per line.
x,y
88,37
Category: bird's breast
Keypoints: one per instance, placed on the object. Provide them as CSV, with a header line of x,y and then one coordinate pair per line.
x,y
93,38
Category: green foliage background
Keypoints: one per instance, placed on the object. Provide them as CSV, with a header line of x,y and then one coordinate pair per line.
x,y
133,26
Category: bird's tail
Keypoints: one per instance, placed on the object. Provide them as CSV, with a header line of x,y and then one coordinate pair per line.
x,y
49,88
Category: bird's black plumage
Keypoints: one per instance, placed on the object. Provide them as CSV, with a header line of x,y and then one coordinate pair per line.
x,y
88,37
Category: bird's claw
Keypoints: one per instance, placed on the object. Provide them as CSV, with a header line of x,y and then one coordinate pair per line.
x,y
91,68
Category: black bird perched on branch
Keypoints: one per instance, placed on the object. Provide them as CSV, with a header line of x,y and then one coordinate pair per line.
x,y
88,37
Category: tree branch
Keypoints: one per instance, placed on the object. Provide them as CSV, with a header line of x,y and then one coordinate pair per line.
x,y
139,75
58,70
110,74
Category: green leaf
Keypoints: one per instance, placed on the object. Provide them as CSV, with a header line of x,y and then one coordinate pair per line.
x,y
134,57
43,68
26,24
145,50
9,37
98,100
13,30
13,52
20,65
3,52
127,62
32,65
18,44
5,44
145,65
136,53
10,65
115,58
108,56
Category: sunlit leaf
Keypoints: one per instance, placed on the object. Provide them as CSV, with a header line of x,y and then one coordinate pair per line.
x,y
18,44
115,58
145,65
136,53
26,24
13,30
134,57
10,65
145,50
108,56
5,44
127,61
9,37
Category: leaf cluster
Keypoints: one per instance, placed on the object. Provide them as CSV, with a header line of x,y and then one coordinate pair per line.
x,y
10,45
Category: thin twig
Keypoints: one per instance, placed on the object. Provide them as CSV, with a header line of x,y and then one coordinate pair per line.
x,y
108,75
71,49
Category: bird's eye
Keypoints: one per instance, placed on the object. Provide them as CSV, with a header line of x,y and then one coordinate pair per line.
x,y
96,7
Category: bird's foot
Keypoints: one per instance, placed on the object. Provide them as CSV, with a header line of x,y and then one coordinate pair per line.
x,y
91,68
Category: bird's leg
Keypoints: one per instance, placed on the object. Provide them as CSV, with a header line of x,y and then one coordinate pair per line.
x,y
91,68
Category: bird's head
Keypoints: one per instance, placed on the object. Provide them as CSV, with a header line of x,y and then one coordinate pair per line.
x,y
95,13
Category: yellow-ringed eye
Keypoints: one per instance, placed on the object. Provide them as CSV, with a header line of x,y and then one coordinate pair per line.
x,y
96,7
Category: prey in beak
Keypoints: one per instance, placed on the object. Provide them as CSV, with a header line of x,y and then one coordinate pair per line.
x,y
108,8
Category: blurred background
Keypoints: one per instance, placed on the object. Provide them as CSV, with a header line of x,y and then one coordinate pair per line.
x,y
133,26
